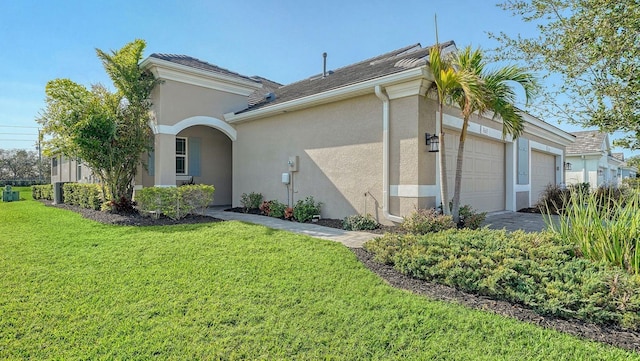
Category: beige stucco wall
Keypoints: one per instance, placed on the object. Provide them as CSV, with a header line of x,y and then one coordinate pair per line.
x,y
339,147
174,101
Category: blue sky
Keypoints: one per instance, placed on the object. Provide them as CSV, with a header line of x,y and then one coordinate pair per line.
x,y
279,40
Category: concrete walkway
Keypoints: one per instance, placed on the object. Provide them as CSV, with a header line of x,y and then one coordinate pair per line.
x,y
350,239
511,221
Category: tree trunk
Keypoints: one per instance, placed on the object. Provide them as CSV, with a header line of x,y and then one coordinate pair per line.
x,y
444,187
458,180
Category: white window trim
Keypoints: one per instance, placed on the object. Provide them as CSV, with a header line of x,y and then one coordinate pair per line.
x,y
185,156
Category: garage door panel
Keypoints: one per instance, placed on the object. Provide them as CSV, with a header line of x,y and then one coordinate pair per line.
x,y
483,177
543,173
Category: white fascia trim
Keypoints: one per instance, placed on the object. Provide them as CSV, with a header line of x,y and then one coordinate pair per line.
x,y
413,190
539,128
565,137
165,185
221,125
166,70
544,148
455,123
410,88
346,92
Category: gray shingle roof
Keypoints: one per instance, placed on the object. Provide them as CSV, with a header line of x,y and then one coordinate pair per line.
x,y
409,57
618,156
588,141
199,64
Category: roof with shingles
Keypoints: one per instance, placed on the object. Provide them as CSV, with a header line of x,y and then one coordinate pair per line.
x,y
199,64
395,61
618,156
587,142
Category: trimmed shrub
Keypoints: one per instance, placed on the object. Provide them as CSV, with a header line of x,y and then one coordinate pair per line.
x,y
533,269
251,201
44,191
288,213
277,209
265,208
304,210
175,202
423,221
83,195
358,222
470,218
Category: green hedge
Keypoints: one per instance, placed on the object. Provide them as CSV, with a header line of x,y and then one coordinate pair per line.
x,y
44,191
175,202
533,269
83,195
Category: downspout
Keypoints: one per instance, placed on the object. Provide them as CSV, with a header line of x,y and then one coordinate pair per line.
x,y
385,156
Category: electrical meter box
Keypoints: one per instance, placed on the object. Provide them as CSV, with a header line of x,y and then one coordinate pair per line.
x,y
293,163
285,178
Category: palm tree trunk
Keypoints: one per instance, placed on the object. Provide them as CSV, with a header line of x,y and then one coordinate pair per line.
x,y
444,187
458,180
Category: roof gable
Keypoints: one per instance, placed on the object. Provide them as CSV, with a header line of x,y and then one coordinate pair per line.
x,y
589,142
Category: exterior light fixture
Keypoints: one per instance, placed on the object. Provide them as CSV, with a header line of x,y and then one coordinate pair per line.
x,y
432,142
567,166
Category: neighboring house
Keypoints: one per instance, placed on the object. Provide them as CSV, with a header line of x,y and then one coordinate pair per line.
x,y
625,170
64,169
353,138
592,161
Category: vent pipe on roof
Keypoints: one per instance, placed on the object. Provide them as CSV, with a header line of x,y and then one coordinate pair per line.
x,y
324,66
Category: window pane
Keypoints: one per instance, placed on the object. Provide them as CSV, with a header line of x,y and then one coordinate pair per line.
x,y
181,146
180,163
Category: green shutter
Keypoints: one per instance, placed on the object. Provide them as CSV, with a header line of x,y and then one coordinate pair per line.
x,y
194,157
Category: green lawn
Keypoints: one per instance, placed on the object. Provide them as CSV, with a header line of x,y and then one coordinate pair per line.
x,y
75,289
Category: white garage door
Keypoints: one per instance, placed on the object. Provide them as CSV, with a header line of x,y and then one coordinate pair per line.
x,y
543,173
483,180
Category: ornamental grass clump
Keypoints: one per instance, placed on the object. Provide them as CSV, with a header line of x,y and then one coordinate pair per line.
x,y
603,227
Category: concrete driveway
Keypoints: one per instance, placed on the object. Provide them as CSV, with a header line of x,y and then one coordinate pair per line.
x,y
513,221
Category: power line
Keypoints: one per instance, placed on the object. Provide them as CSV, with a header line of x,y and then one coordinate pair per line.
x,y
17,126
18,134
18,140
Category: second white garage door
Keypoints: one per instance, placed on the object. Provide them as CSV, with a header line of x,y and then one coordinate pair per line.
x,y
543,173
483,181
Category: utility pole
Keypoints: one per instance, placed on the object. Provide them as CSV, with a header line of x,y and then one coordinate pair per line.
x,y
39,156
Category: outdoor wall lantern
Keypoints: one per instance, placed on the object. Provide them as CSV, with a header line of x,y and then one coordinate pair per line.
x,y
567,166
432,141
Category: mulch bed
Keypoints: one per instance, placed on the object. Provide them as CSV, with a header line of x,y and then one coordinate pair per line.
x,y
132,219
605,334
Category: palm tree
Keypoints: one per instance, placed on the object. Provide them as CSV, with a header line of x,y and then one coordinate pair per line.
x,y
495,94
450,84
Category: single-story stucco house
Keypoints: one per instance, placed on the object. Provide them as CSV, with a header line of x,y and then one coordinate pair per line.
x,y
353,138
592,161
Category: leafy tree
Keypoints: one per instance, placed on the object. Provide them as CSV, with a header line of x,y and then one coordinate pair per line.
x,y
492,91
23,164
593,45
108,130
633,161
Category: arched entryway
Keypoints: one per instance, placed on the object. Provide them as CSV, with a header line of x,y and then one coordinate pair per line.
x,y
197,149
